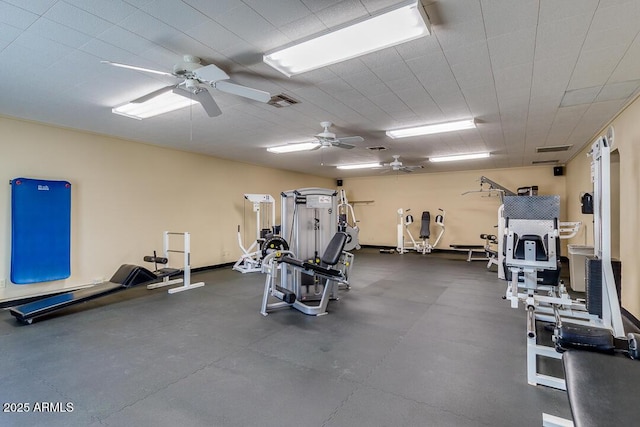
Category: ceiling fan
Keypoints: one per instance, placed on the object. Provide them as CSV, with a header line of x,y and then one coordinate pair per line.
x,y
328,139
196,81
396,165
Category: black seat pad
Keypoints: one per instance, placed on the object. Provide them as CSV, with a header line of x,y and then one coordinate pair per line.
x,y
603,390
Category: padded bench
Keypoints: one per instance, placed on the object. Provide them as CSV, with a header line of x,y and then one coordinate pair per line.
x,y
603,390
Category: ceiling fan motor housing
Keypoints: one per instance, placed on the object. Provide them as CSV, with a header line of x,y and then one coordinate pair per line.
x,y
187,66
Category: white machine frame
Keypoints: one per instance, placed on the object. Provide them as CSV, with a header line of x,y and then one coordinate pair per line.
x,y
186,269
308,217
424,246
251,259
350,223
553,304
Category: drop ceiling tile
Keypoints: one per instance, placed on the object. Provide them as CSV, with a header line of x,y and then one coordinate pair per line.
x,y
59,33
563,38
551,76
342,12
470,74
512,49
78,19
513,81
381,58
176,14
279,12
410,83
394,71
8,33
507,16
595,66
148,27
36,6
213,9
481,100
113,10
47,50
618,91
454,11
427,46
303,27
129,41
628,68
107,51
317,5
249,25
431,71
458,34
16,17
551,10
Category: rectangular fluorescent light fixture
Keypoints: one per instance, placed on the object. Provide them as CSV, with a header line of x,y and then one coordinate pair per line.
x,y
430,129
459,157
163,103
290,148
360,166
390,27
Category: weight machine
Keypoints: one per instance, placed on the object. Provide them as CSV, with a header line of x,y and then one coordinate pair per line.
x,y
308,224
347,222
532,251
165,273
251,259
423,246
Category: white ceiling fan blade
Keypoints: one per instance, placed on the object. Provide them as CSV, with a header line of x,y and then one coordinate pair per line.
x,y
153,94
350,139
210,73
340,144
208,103
204,98
244,91
133,67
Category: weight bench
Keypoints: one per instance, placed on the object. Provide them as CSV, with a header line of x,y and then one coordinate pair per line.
x,y
602,389
286,262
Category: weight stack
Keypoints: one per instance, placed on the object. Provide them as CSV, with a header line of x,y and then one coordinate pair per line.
x,y
593,282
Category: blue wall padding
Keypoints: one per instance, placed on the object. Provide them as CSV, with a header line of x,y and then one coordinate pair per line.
x,y
40,230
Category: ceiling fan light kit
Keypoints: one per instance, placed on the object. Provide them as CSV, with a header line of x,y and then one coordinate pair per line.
x,y
459,157
431,129
390,27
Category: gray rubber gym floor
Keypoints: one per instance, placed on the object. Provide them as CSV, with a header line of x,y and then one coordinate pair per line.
x,y
417,341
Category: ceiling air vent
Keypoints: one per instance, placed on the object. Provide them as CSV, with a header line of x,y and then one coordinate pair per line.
x,y
544,162
282,100
553,148
379,148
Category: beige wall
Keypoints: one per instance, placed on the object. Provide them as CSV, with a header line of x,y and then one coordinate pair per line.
x,y
125,194
627,142
467,216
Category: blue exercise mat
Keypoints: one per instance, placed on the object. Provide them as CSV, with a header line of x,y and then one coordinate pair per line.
x,y
40,230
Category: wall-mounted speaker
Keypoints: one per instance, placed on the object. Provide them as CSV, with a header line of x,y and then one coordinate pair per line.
x,y
339,182
558,170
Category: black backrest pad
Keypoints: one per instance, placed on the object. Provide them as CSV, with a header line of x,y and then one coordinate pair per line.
x,y
129,275
424,226
541,252
334,249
